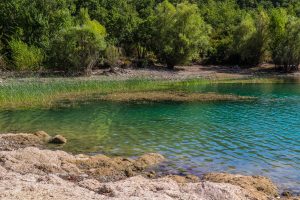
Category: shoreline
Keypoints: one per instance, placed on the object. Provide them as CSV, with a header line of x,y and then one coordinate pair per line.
x,y
37,91
25,162
131,85
216,72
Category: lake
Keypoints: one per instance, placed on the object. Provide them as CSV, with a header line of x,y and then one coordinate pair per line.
x,y
260,137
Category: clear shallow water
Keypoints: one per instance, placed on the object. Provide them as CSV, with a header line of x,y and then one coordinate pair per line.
x,y
260,137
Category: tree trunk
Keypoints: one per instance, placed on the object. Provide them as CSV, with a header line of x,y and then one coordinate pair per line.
x,y
89,67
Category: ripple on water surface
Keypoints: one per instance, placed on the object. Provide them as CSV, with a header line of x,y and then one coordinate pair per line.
x,y
261,137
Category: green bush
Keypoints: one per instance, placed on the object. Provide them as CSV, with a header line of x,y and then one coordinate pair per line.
x,y
251,38
173,32
78,48
285,44
223,16
25,57
181,35
112,56
119,17
35,22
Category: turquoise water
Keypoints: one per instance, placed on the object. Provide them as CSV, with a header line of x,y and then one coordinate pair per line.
x,y
260,137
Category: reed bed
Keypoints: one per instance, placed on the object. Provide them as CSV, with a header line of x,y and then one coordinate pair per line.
x,y
47,92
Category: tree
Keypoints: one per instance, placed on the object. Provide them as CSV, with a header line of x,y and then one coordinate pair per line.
x,y
120,18
223,16
251,41
78,48
286,40
35,22
180,33
112,56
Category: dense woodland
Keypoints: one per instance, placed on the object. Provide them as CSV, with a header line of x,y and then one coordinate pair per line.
x,y
79,35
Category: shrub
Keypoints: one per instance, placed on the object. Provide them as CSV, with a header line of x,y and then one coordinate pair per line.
x,y
78,48
25,57
36,22
119,17
251,41
223,16
286,40
181,34
112,56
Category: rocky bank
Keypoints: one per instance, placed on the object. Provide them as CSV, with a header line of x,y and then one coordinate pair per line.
x,y
29,171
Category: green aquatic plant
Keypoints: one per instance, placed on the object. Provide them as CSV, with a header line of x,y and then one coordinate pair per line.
x,y
48,92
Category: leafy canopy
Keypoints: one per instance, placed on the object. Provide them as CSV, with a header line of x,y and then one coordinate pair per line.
x,y
78,48
180,33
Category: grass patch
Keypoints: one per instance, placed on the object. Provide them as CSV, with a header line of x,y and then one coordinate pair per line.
x,y
47,92
35,93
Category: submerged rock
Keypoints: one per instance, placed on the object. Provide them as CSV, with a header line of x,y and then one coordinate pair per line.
x,y
43,135
58,139
291,198
100,167
148,159
157,96
287,194
107,169
259,187
13,141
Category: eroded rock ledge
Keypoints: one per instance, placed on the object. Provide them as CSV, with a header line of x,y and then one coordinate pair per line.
x,y
34,173
11,141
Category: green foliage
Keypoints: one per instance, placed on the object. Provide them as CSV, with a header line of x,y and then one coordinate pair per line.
x,y
265,3
180,33
120,18
25,57
245,32
112,55
252,38
223,16
36,22
286,40
78,48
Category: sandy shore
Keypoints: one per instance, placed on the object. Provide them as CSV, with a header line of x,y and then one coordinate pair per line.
x,y
30,171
